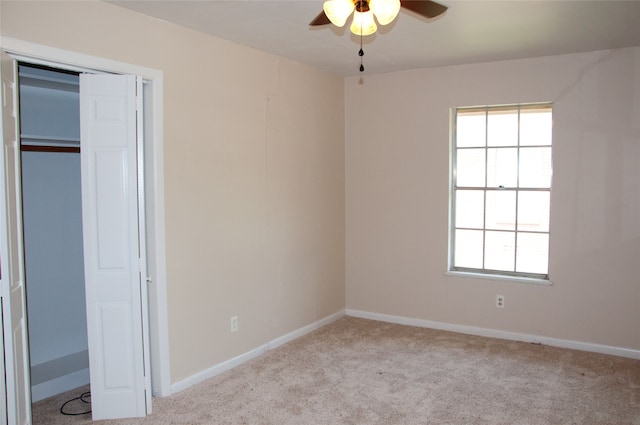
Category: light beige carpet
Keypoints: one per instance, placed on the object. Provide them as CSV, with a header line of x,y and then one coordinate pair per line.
x,y
357,371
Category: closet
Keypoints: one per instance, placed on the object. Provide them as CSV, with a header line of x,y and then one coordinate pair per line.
x,y
52,218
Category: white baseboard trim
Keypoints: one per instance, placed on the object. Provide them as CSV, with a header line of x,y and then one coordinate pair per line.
x,y
304,330
495,333
236,361
59,385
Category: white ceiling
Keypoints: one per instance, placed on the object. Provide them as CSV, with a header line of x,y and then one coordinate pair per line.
x,y
468,32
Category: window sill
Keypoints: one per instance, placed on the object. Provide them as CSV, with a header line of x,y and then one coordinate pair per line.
x,y
527,280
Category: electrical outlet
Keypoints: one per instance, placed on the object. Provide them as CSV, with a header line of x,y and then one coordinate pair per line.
x,y
234,323
500,301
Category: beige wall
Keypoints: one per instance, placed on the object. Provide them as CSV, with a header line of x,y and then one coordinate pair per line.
x,y
254,175
397,168
255,186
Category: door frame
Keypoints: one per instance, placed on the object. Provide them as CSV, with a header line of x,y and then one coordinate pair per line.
x,y
154,185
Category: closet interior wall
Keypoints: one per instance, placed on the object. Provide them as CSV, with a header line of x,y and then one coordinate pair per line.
x,y
52,214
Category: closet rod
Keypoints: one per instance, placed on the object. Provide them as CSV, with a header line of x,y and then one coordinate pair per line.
x,y
65,149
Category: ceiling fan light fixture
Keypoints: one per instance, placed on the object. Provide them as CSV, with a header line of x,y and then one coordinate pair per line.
x,y
385,10
338,11
367,12
363,23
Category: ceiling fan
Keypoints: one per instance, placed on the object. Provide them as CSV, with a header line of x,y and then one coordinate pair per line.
x,y
337,11
385,11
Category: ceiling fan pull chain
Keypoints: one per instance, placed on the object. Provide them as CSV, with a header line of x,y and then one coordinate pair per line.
x,y
361,53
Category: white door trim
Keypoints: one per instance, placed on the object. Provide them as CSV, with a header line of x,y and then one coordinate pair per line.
x,y
64,59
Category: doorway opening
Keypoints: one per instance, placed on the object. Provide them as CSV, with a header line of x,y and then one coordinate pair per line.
x,y
90,205
52,219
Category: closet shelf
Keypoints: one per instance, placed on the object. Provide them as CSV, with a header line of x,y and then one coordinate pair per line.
x,y
58,140
47,82
49,144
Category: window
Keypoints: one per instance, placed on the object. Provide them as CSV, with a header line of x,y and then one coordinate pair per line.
x,y
501,189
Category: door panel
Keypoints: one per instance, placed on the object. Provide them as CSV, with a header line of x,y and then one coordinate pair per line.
x,y
18,391
112,259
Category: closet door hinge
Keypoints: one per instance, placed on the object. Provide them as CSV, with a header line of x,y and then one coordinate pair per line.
x,y
142,270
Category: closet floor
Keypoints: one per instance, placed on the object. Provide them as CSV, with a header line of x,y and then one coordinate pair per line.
x,y
47,411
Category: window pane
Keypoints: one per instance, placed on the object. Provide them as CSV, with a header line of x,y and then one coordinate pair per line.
x,y
535,167
501,210
502,167
535,126
499,251
471,129
502,178
470,208
468,247
533,211
470,168
533,253
502,128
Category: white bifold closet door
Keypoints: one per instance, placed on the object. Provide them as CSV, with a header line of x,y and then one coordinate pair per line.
x,y
115,275
16,390
115,263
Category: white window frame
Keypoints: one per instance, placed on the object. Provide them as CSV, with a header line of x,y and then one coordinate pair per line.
x,y
452,269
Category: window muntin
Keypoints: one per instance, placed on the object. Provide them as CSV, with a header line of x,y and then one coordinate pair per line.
x,y
501,190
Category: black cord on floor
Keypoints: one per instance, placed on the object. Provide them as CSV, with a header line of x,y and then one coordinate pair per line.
x,y
84,397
